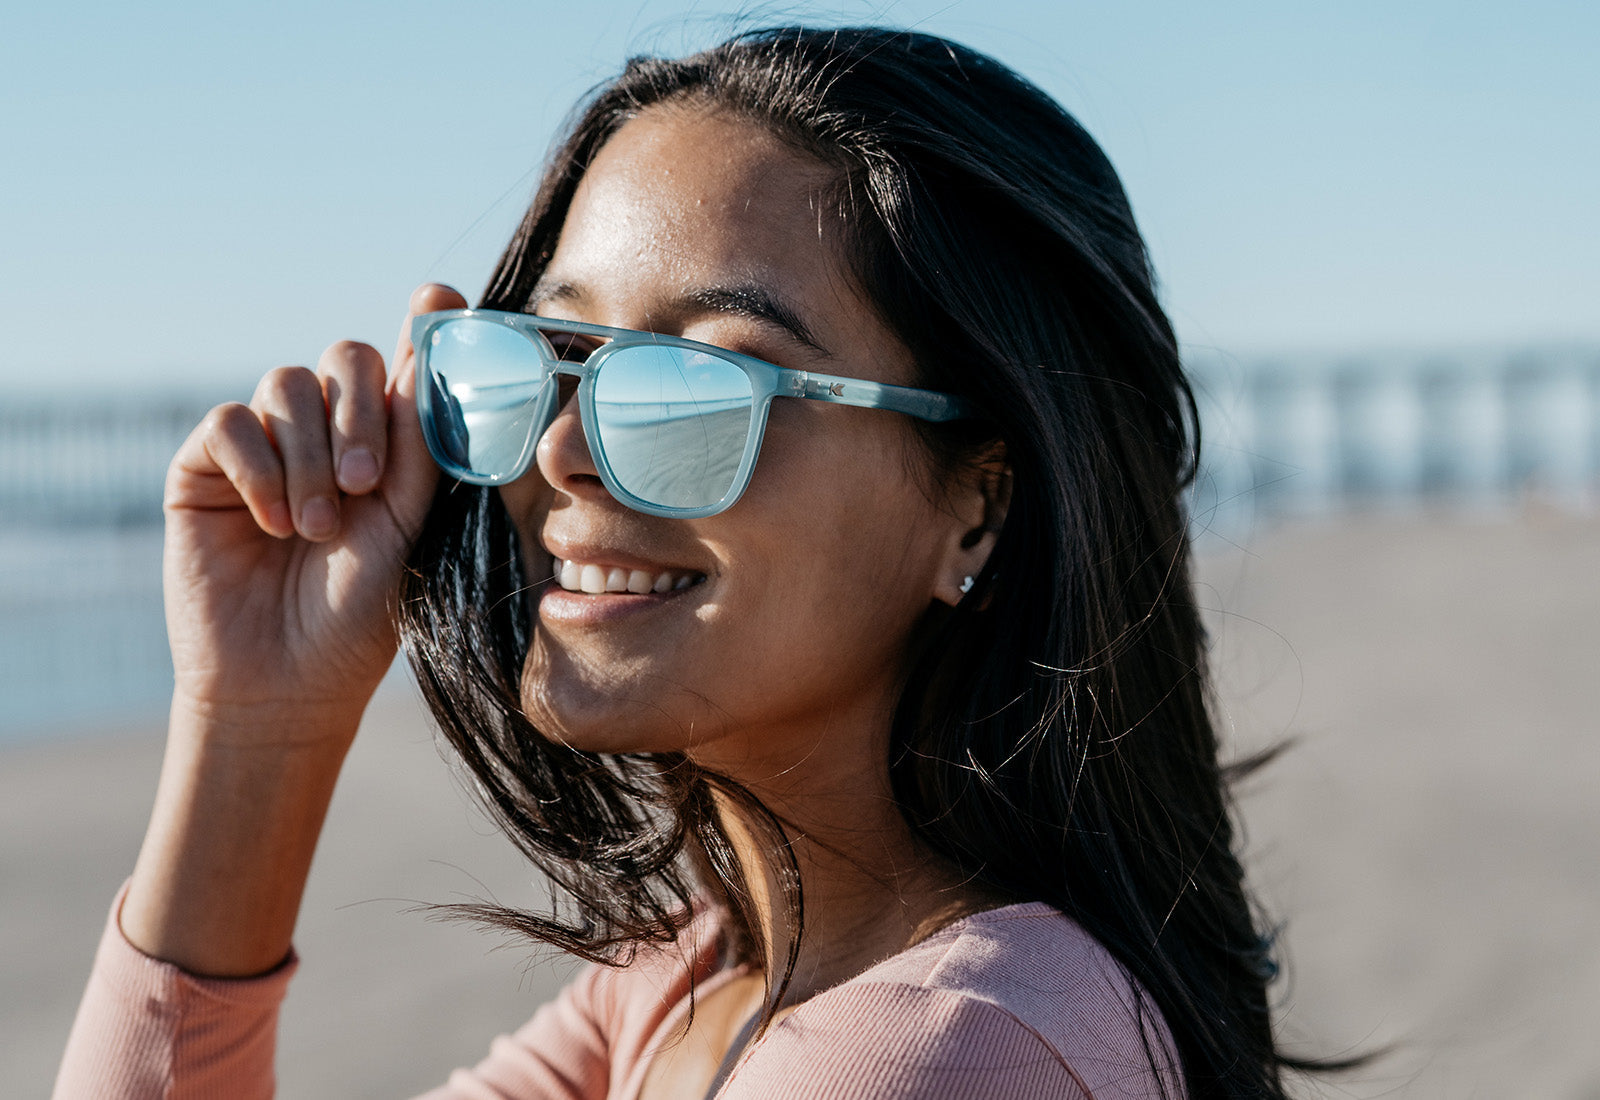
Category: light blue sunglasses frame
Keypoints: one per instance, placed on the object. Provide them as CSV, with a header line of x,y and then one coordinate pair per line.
x,y
766,382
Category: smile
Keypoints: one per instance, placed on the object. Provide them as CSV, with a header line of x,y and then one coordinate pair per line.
x,y
595,580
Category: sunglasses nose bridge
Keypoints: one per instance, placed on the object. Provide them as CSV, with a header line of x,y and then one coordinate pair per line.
x,y
563,449
565,379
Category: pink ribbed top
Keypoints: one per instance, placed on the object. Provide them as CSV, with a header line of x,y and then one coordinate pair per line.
x,y
1017,1002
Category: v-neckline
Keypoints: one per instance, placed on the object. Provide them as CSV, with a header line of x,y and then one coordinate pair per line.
x,y
672,1021
736,1049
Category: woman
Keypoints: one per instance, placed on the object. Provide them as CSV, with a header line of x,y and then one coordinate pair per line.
x,y
879,766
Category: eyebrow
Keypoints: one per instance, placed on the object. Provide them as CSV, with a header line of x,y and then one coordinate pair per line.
x,y
752,300
743,299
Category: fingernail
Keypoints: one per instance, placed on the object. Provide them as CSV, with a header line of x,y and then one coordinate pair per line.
x,y
358,470
318,517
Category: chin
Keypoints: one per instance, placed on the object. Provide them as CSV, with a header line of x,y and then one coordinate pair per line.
x,y
605,718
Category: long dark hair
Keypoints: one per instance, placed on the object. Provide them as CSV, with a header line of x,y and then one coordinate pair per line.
x,y
1053,739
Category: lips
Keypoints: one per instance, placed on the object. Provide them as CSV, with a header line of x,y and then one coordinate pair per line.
x,y
596,578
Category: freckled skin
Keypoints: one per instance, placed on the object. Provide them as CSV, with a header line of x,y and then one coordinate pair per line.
x,y
787,659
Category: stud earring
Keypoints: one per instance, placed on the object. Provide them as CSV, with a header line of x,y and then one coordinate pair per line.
x,y
966,586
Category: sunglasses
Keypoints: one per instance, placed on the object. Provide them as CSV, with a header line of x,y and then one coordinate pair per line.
x,y
673,425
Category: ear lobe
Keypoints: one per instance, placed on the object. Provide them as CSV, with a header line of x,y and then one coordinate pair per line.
x,y
960,575
984,498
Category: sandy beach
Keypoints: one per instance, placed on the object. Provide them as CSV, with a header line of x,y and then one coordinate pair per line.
x,y
1431,840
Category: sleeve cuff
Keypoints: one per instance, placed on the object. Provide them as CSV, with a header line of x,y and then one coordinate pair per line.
x,y
148,1028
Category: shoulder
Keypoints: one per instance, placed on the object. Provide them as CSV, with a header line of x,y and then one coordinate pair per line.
x,y
1034,963
597,1037
610,1019
1018,1002
633,1001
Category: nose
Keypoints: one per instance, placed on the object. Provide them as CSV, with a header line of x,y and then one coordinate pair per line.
x,y
563,456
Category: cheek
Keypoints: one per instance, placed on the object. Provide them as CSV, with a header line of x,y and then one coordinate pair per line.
x,y
846,582
522,497
525,501
844,516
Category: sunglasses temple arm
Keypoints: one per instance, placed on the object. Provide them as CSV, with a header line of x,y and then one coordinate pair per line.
x,y
922,404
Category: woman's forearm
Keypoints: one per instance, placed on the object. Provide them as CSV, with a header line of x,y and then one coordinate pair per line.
x,y
240,804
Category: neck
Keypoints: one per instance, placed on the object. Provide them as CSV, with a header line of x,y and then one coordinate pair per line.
x,y
870,888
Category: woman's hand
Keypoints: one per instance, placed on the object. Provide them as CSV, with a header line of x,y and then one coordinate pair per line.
x,y
288,524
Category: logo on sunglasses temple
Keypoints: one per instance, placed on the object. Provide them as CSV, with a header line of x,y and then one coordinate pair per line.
x,y
814,387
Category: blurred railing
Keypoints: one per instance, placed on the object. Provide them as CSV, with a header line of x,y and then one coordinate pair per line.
x,y
90,462
80,491
82,638
1308,438
82,641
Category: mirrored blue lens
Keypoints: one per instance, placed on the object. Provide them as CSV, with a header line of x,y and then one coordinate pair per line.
x,y
485,382
673,423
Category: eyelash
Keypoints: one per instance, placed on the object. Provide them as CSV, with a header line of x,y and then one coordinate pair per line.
x,y
572,347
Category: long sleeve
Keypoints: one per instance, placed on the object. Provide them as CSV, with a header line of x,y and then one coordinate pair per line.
x,y
563,1053
595,1040
146,1029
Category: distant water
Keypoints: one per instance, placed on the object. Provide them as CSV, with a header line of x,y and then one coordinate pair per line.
x,y
82,637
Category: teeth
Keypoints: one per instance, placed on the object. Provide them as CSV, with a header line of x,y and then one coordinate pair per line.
x,y
595,580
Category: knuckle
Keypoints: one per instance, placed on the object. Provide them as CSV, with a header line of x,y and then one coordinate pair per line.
x,y
348,356
356,398
284,384
351,349
228,419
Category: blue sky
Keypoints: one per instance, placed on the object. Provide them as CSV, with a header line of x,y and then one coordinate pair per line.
x,y
203,191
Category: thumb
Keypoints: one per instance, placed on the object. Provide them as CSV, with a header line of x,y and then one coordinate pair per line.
x,y
412,471
427,298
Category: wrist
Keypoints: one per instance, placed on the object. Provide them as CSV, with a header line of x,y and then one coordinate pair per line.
x,y
266,724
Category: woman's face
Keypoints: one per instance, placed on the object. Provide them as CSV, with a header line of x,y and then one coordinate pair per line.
x,y
785,631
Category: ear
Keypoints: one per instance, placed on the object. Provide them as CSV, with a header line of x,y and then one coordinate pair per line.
x,y
978,498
